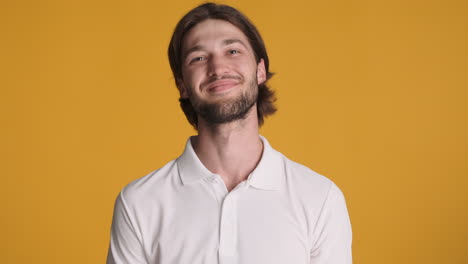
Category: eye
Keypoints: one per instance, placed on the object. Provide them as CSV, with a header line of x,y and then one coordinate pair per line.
x,y
196,59
233,51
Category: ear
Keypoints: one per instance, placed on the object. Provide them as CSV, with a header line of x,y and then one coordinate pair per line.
x,y
261,72
182,89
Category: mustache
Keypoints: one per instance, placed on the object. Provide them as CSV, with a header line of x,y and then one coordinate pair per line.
x,y
223,77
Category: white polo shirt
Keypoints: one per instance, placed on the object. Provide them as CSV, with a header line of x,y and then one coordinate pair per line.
x,y
284,213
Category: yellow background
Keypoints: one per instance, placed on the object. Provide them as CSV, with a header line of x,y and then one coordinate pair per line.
x,y
372,94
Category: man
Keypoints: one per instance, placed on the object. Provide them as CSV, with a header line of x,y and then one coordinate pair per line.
x,y
230,197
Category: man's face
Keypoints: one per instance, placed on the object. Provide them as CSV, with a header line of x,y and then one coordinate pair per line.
x,y
220,74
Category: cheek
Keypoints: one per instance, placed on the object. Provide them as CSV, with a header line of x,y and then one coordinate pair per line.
x,y
189,76
246,68
194,74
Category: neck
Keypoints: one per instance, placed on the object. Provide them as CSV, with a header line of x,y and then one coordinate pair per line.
x,y
230,150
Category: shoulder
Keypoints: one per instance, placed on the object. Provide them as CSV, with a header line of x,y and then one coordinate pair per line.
x,y
152,186
310,186
303,175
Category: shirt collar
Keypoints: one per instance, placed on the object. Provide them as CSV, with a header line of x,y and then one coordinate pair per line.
x,y
268,174
191,169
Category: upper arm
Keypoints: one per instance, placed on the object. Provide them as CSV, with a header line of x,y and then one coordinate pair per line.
x,y
125,241
332,232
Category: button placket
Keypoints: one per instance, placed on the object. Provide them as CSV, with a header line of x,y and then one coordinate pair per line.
x,y
228,227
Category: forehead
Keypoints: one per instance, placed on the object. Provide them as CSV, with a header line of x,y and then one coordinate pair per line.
x,y
212,31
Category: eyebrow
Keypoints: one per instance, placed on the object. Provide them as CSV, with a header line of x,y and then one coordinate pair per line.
x,y
230,41
192,49
225,43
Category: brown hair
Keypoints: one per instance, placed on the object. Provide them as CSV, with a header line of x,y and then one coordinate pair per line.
x,y
266,97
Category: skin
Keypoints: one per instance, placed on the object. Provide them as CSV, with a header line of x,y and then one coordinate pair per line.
x,y
218,66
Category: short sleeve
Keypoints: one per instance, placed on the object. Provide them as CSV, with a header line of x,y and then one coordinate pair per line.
x,y
332,233
125,243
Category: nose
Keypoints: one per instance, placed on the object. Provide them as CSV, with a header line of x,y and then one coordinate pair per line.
x,y
217,66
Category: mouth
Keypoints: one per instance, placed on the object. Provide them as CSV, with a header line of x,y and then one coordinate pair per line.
x,y
221,85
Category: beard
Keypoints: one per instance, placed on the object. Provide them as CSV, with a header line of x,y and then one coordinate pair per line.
x,y
230,110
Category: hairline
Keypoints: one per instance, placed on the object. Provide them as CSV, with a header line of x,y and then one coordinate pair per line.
x,y
248,45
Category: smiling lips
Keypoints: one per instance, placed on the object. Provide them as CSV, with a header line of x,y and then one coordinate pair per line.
x,y
222,85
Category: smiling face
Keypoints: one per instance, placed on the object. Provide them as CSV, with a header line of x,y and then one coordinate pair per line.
x,y
220,73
